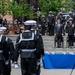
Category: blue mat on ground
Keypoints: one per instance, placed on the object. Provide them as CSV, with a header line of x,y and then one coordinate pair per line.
x,y
58,61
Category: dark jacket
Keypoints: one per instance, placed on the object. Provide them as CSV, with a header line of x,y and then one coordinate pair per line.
x,y
40,41
70,29
5,48
31,44
62,19
50,20
58,31
43,21
11,48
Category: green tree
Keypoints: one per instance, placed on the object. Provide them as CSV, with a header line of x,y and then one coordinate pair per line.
x,y
4,7
69,4
55,5
50,5
27,10
22,9
15,9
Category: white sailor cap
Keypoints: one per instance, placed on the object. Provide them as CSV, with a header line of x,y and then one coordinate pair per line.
x,y
3,28
30,22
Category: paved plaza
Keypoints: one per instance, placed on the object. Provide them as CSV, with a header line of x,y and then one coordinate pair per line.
x,y
49,48
47,72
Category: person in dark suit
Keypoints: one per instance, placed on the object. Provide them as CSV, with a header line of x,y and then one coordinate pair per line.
x,y
51,23
70,30
58,33
43,23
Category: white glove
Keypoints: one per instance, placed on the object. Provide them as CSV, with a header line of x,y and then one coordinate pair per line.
x,y
38,62
16,66
6,62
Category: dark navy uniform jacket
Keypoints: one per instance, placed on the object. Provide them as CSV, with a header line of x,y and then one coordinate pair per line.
x,y
57,30
4,48
40,41
10,49
28,45
70,29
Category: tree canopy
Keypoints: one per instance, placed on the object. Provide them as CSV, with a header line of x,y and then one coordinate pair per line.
x,y
55,5
50,5
21,9
25,9
4,7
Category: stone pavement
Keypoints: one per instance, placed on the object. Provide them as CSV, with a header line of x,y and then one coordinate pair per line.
x,y
47,72
49,48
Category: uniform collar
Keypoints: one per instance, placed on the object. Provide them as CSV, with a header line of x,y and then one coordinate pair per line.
x,y
27,31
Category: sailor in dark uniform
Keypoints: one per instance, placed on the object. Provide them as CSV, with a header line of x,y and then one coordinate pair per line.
x,y
7,68
43,23
3,53
51,23
70,30
27,45
8,53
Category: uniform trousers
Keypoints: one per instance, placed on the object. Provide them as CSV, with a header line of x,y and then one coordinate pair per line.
x,y
38,67
43,30
59,39
28,66
1,67
7,69
51,29
70,40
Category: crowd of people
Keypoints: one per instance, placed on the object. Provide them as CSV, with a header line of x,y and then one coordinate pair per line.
x,y
48,22
58,26
52,25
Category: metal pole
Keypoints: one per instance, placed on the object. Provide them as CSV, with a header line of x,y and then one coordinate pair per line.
x,y
72,69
